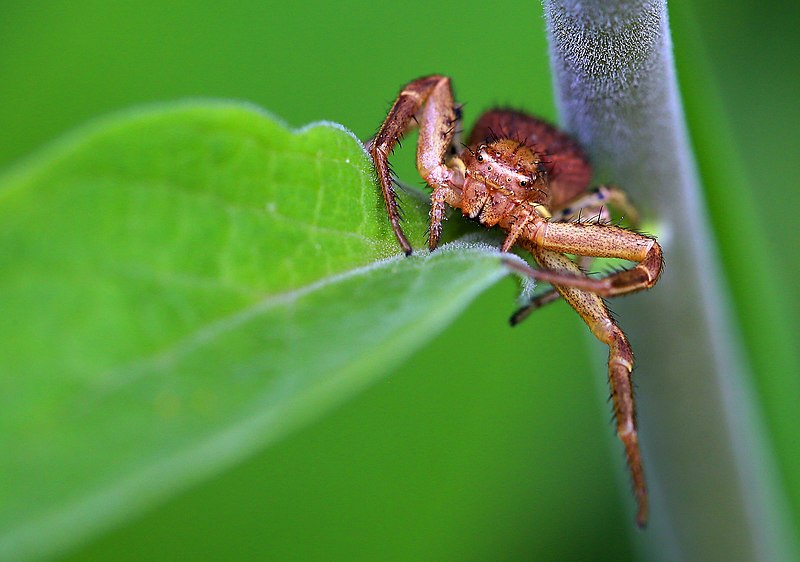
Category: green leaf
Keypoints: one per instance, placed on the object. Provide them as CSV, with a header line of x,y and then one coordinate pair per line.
x,y
180,287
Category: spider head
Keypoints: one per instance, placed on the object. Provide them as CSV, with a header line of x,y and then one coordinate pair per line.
x,y
508,167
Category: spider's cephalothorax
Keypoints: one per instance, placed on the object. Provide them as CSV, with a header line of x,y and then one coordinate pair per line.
x,y
500,177
529,179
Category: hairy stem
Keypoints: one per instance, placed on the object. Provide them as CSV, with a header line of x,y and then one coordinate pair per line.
x,y
710,470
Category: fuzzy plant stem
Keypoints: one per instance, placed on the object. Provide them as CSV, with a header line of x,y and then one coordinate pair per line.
x,y
712,478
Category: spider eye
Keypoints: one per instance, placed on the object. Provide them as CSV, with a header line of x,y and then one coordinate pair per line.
x,y
523,183
480,158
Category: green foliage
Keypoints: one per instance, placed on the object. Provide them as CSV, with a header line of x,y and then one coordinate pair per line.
x,y
180,286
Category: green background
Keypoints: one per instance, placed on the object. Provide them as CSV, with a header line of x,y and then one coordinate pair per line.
x,y
489,443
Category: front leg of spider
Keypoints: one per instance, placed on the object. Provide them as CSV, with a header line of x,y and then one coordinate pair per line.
x,y
427,103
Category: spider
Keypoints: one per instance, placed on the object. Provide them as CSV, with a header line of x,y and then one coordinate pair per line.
x,y
530,179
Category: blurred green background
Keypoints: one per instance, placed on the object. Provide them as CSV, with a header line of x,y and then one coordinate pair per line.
x,y
490,443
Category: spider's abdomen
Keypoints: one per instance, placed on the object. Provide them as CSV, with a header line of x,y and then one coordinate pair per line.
x,y
567,166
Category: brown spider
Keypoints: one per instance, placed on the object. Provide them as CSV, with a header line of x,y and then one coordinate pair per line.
x,y
530,179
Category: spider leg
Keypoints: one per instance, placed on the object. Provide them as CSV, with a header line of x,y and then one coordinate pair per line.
x,y
548,296
537,302
594,204
432,98
596,201
620,364
596,240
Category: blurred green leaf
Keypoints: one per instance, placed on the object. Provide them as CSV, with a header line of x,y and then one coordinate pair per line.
x,y
181,286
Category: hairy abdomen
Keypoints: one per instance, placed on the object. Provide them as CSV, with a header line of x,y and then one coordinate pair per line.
x,y
566,163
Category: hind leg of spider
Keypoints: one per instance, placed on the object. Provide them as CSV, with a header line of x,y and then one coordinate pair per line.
x,y
548,296
537,302
620,364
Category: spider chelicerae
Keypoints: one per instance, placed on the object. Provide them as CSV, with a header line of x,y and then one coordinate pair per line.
x,y
523,175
